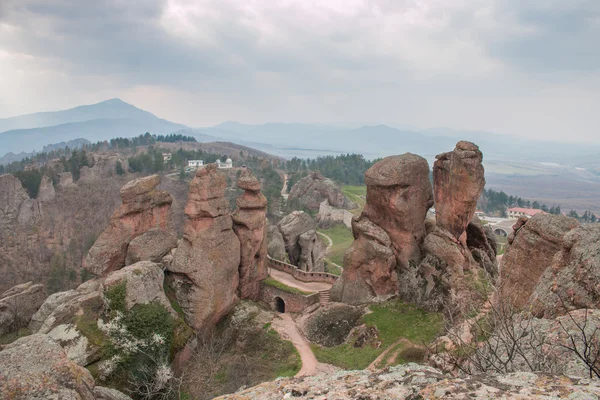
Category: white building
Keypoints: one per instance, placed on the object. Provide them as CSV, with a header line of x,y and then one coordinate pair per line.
x,y
166,157
195,163
225,165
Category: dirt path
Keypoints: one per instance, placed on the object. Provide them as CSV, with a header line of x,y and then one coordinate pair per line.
x,y
375,364
289,280
328,238
287,329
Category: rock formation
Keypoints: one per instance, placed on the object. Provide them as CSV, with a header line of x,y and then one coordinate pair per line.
x,y
205,267
19,304
522,266
46,191
144,208
303,246
16,208
151,246
458,178
414,381
249,224
310,191
276,245
36,367
389,232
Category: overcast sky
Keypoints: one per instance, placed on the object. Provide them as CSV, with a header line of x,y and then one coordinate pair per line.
x,y
523,67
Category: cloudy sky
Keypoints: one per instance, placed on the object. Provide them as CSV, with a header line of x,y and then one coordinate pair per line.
x,y
521,67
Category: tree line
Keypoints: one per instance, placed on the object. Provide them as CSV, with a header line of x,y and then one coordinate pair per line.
x,y
346,169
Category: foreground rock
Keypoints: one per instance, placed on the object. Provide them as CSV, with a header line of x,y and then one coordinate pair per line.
x,y
310,191
205,267
414,381
249,224
35,367
534,245
144,208
303,246
389,232
19,304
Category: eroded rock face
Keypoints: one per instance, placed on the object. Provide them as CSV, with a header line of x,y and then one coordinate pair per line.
x,y
46,191
19,304
276,245
144,208
16,208
204,270
459,180
151,246
302,243
413,381
35,367
330,326
249,224
311,190
534,246
398,197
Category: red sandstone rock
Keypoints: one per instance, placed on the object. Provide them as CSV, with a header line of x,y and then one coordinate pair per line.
x,y
313,189
143,208
205,266
249,224
458,181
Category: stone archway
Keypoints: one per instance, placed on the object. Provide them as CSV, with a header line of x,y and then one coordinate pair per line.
x,y
279,305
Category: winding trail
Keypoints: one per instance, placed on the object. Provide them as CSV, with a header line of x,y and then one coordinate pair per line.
x,y
287,329
329,248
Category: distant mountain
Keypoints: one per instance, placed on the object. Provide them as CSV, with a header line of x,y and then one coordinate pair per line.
x,y
102,121
72,144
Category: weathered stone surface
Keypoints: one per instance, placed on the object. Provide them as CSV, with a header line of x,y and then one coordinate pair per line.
x,y
205,272
414,381
35,367
572,281
302,244
482,243
369,266
144,284
75,344
532,251
459,180
311,190
143,208
151,246
46,191
276,245
16,208
249,224
65,180
104,393
19,304
398,197
330,326
104,166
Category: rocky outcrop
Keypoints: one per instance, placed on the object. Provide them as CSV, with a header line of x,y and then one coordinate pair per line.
x,y
302,244
143,282
144,208
19,304
249,224
205,266
310,191
458,178
46,190
151,246
276,245
65,180
330,326
35,367
103,166
389,232
414,381
16,208
534,245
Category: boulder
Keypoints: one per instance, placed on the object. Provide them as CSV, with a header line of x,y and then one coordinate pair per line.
x,y
249,224
75,344
413,381
276,245
458,178
310,191
19,304
398,197
572,281
534,246
36,367
144,208
369,266
104,393
330,326
204,270
143,282
151,246
302,244
46,190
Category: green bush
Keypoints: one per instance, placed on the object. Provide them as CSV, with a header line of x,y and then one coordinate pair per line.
x,y
116,297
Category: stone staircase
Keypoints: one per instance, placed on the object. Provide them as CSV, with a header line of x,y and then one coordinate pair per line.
x,y
324,298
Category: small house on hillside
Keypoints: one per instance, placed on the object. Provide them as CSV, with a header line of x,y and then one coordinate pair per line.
x,y
517,212
166,157
195,163
225,165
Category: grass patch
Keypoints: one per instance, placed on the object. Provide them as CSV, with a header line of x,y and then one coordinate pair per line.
x,y
10,337
275,283
333,269
356,193
342,238
393,320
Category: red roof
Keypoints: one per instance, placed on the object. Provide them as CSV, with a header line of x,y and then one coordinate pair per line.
x,y
528,211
